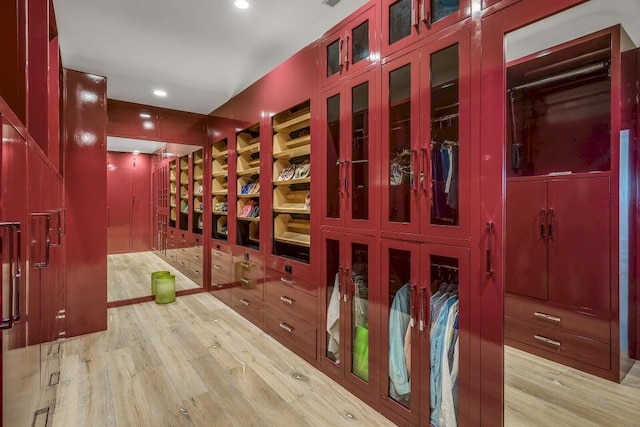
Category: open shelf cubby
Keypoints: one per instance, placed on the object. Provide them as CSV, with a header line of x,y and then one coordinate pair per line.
x,y
292,182
198,190
219,189
173,190
248,179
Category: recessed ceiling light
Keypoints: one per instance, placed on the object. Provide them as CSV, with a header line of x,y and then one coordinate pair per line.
x,y
242,4
160,92
136,152
145,115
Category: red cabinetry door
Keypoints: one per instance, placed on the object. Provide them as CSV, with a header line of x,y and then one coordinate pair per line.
x,y
400,363
333,154
119,187
526,242
349,48
400,148
579,242
332,295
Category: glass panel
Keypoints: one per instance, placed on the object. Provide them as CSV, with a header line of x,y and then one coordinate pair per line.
x,y
444,137
360,310
360,36
443,8
360,151
444,353
399,330
399,20
333,58
333,300
333,157
400,145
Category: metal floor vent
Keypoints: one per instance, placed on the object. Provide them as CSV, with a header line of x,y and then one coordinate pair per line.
x,y
330,2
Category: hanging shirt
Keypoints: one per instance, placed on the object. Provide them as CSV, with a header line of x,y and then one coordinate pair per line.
x,y
333,319
399,318
438,333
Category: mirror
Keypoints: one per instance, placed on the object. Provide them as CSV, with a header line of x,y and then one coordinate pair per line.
x,y
154,215
568,228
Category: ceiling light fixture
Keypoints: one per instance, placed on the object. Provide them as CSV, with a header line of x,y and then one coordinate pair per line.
x,y
136,152
145,115
242,4
160,92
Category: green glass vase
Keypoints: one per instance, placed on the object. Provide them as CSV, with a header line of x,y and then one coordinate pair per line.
x,y
165,289
154,276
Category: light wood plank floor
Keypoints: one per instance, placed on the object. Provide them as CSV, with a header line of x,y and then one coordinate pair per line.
x,y
542,393
129,275
195,363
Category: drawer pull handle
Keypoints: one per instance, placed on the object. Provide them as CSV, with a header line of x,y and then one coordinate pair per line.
x,y
245,265
547,317
547,341
217,267
245,302
287,300
217,254
287,281
245,281
286,327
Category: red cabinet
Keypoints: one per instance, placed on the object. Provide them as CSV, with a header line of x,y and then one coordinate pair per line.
x,y
350,136
425,333
426,139
351,47
349,296
407,21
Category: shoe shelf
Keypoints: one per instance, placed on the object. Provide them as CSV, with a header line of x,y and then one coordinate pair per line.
x,y
248,187
219,188
198,190
292,182
173,190
183,214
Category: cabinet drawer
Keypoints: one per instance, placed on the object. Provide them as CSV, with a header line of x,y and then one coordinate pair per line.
x,y
222,282
542,314
172,256
249,276
221,268
293,282
559,342
291,300
247,305
220,257
182,263
195,272
290,330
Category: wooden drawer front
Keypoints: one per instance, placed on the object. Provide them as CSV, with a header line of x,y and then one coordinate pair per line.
x,y
560,319
194,254
293,282
221,275
247,305
182,263
220,257
290,330
221,268
249,276
172,255
553,340
195,272
292,300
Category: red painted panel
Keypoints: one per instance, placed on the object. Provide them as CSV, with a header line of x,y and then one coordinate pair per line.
x,y
188,129
85,180
125,121
526,239
38,73
142,205
579,263
54,103
12,44
119,186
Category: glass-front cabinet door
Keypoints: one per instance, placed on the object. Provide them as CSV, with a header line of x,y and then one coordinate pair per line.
x,y
361,143
400,348
445,136
425,342
333,155
350,48
348,346
400,136
407,21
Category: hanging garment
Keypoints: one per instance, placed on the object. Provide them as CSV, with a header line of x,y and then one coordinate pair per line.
x,y
452,193
407,351
333,320
361,353
361,299
399,318
447,405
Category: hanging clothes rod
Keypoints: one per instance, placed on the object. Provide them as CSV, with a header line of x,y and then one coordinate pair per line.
x,y
445,118
448,267
563,76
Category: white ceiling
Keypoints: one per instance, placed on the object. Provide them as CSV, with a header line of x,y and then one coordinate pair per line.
x,y
128,145
202,52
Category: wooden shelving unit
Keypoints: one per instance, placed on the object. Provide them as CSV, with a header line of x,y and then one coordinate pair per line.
x,y
292,182
183,213
248,181
219,189
197,205
173,193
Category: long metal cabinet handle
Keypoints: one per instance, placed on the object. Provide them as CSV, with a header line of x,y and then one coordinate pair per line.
x,y
546,340
548,317
415,170
550,219
340,52
346,177
423,172
47,239
287,327
58,243
426,19
346,52
285,299
543,224
489,250
412,307
423,304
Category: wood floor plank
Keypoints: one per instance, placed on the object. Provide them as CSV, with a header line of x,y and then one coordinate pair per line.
x,y
129,398
185,379
207,410
95,402
67,393
164,405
